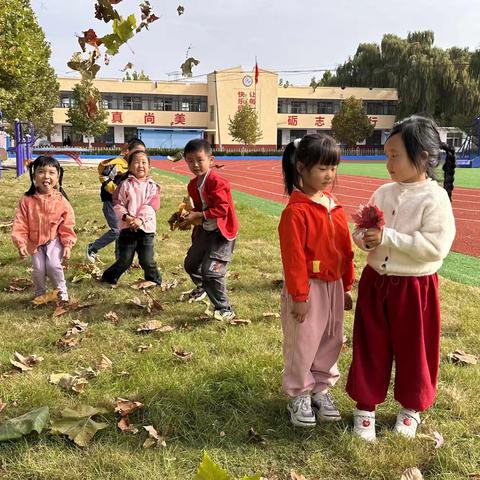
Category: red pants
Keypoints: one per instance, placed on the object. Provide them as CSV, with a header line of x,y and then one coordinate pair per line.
x,y
395,318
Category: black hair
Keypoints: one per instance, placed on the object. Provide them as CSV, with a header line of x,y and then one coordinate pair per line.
x,y
44,161
134,143
311,150
132,155
420,134
196,145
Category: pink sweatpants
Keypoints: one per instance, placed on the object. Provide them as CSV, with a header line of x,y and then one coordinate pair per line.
x,y
47,263
311,349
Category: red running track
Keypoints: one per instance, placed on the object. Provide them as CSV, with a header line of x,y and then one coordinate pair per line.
x,y
263,178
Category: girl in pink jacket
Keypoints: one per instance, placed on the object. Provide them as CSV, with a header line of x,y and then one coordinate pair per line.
x,y
136,201
43,226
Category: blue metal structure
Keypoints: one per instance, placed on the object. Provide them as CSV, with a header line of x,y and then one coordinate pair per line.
x,y
468,155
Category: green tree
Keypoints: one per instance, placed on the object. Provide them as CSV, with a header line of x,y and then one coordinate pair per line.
x,y
444,83
142,76
87,115
351,125
28,85
245,126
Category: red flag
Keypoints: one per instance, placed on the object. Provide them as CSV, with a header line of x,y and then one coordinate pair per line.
x,y
256,72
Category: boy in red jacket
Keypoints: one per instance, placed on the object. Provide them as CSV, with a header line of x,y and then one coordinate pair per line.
x,y
212,241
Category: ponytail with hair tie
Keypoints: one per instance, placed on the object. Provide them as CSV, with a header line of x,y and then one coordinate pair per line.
x,y
449,168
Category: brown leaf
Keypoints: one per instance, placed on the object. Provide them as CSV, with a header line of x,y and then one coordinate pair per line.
x,y
69,382
2,405
136,301
149,326
253,436
6,227
104,364
72,306
412,473
47,298
168,285
25,363
271,314
180,10
19,285
144,348
142,284
277,283
67,343
104,10
128,66
125,426
240,321
111,317
154,439
217,166
126,407
166,329
461,358
181,354
296,476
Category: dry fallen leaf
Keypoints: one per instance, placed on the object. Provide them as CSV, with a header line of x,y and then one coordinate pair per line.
x,y
295,476
181,354
272,314
149,326
66,343
168,285
435,437
2,405
19,285
462,358
240,321
25,363
104,364
111,317
253,436
144,348
125,426
166,329
47,298
222,434
412,473
69,382
154,439
142,284
126,407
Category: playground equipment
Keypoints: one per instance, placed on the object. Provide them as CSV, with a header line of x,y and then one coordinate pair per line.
x,y
469,154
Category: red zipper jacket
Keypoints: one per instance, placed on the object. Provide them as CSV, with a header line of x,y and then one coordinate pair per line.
x,y
218,197
314,243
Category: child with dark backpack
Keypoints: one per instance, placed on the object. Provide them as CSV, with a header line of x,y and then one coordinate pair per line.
x,y
317,260
111,172
214,240
397,315
43,226
136,202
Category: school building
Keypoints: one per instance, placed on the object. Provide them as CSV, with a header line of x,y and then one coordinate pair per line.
x,y
168,114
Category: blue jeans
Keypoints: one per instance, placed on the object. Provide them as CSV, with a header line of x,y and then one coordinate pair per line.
x,y
130,242
112,234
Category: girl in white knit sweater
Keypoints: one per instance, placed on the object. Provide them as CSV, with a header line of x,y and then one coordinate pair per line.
x,y
397,314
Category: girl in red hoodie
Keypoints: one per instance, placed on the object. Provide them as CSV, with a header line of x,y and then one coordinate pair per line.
x,y
317,262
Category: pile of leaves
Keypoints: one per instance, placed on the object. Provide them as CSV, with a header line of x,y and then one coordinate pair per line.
x,y
176,219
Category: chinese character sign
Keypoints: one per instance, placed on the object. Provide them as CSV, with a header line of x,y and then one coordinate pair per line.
x,y
149,118
319,121
292,120
179,119
373,120
117,117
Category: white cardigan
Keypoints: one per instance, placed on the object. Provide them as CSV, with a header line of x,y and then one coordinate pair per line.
x,y
419,229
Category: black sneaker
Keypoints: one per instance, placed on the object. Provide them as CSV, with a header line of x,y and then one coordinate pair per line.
x,y
90,255
197,294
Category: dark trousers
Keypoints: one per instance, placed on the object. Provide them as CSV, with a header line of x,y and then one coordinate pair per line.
x,y
396,318
130,242
206,263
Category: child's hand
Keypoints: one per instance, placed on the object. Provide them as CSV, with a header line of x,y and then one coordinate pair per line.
x,y
67,251
348,301
372,237
300,310
135,223
23,252
190,218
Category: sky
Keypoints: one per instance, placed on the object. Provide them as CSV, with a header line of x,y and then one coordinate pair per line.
x,y
283,35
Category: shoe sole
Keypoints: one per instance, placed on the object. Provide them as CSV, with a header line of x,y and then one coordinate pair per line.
x,y
326,418
200,298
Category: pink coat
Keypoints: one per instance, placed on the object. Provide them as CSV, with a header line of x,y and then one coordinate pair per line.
x,y
41,218
138,199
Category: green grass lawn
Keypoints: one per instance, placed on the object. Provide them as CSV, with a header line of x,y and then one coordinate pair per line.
x,y
231,384
464,177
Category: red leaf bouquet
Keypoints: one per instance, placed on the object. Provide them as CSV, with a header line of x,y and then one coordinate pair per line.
x,y
368,216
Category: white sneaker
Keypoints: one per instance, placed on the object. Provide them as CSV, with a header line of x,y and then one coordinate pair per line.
x,y
300,410
90,255
325,408
407,422
364,425
224,315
